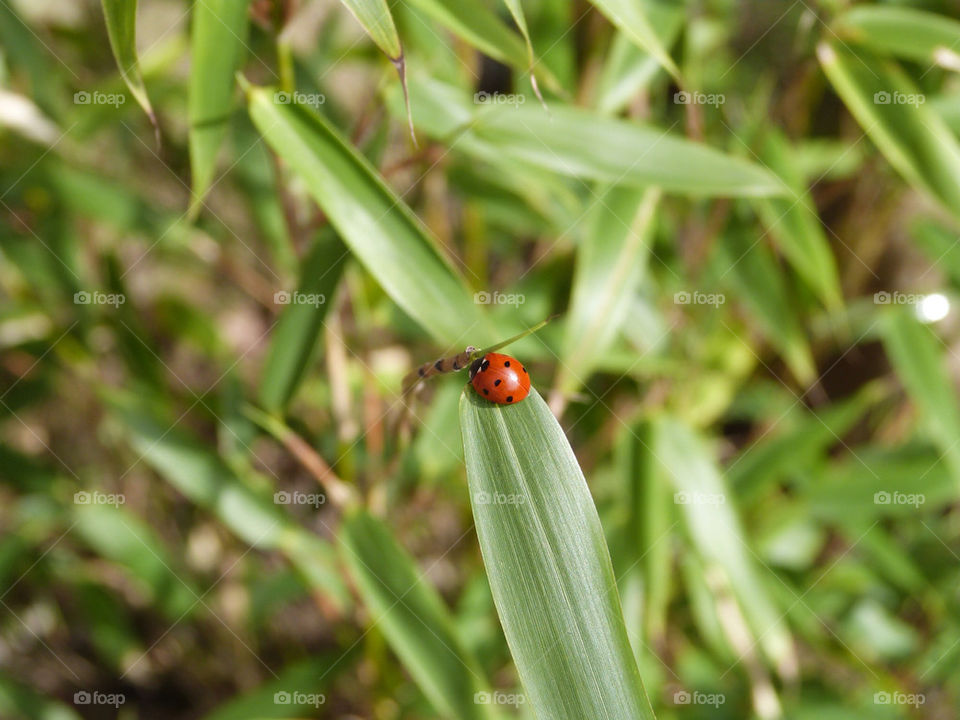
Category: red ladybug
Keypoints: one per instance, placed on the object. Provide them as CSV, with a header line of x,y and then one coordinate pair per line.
x,y
500,379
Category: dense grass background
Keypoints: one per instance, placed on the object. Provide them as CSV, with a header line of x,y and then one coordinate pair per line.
x,y
217,265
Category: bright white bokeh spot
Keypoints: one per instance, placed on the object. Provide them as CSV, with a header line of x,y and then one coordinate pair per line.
x,y
933,307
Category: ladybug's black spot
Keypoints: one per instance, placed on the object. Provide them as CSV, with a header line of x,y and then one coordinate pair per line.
x,y
486,391
507,364
438,365
497,382
509,398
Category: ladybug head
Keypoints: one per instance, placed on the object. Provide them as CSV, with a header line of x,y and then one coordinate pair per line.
x,y
475,367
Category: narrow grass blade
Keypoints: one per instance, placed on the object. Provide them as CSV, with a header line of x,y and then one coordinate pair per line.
x,y
516,11
920,361
121,19
611,261
892,112
295,335
376,19
926,37
580,143
794,225
548,563
630,17
628,68
207,481
380,230
217,47
479,26
412,616
750,269
716,533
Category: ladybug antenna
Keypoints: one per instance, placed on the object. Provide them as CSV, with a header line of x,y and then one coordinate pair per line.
x,y
509,341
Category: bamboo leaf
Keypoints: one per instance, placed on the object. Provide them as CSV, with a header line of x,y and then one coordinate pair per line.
x,y
376,19
548,563
217,48
295,335
121,20
892,112
717,535
376,225
919,359
412,616
630,17
580,143
611,261
207,481
906,32
794,225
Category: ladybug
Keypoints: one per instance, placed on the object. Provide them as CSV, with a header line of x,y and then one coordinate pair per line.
x,y
500,379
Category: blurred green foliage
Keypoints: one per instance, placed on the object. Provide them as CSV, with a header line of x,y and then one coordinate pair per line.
x,y
747,214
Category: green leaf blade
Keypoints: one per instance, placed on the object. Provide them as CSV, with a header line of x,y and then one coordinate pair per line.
x,y
121,20
218,42
412,616
548,563
377,226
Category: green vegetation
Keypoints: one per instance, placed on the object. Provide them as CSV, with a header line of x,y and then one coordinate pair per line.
x,y
229,229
